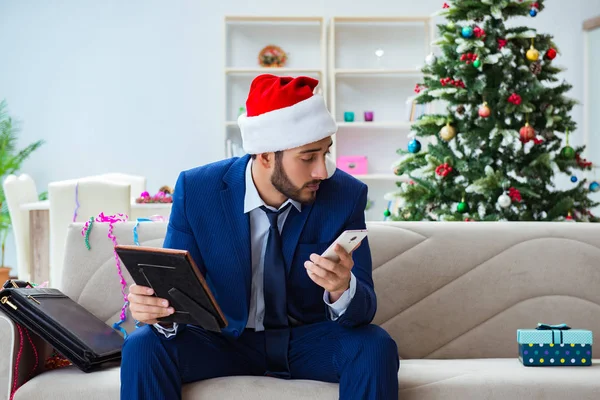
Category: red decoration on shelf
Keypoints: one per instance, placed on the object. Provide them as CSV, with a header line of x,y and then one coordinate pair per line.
x,y
551,54
443,170
515,99
417,88
502,43
445,5
514,194
450,81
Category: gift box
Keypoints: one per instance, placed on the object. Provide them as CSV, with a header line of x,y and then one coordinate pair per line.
x,y
354,165
555,345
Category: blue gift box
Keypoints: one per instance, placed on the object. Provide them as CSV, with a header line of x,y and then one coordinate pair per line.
x,y
555,345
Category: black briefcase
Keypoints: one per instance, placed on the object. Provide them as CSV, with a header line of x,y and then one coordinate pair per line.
x,y
73,331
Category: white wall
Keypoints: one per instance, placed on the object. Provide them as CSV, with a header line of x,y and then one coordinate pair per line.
x,y
137,86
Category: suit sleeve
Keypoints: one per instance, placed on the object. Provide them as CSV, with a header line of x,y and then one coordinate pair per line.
x,y
179,231
363,305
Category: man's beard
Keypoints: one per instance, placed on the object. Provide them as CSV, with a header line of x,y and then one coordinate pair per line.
x,y
282,183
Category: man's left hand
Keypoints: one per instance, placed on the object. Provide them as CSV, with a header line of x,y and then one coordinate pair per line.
x,y
331,275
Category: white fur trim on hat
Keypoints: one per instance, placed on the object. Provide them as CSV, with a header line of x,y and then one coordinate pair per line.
x,y
305,122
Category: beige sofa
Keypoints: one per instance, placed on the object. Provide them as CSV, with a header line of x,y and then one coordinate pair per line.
x,y
451,294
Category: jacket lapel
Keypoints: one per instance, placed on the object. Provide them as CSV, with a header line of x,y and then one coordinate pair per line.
x,y
292,229
232,200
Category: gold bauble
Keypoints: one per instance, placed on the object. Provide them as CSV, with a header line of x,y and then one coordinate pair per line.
x,y
448,132
532,54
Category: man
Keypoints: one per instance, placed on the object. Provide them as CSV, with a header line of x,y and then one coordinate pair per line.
x,y
255,226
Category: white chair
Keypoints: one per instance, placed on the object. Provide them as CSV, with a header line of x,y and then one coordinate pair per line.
x,y
138,183
20,190
93,197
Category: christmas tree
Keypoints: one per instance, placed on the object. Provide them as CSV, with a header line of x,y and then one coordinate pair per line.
x,y
504,135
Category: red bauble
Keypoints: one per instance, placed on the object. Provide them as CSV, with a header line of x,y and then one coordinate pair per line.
x,y
551,54
484,111
527,133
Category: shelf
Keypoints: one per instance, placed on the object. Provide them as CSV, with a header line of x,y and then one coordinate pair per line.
x,y
424,19
251,18
365,72
385,125
272,70
379,177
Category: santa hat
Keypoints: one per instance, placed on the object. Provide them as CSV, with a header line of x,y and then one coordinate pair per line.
x,y
283,113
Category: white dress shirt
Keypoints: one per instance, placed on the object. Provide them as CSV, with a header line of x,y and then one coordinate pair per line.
x,y
259,233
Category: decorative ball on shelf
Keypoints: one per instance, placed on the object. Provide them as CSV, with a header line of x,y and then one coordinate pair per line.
x,y
594,187
551,54
532,54
467,32
477,63
272,56
568,152
387,213
527,133
431,59
573,179
504,200
461,207
414,146
484,110
533,12
448,132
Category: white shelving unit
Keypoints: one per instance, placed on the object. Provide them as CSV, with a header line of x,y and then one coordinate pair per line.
x,y
374,65
304,39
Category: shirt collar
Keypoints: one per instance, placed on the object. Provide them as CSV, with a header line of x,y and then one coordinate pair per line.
x,y
252,199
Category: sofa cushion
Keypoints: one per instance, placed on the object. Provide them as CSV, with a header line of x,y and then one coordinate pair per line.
x,y
419,379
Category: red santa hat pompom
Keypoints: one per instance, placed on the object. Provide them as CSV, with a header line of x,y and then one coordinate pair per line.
x,y
283,113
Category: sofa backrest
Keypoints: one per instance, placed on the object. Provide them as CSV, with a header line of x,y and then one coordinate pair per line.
x,y
444,290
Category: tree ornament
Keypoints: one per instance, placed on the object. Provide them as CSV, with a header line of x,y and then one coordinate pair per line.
x,y
532,54
594,187
460,109
514,99
387,213
450,25
573,179
477,63
431,59
448,132
484,110
551,54
568,152
414,146
502,43
535,8
504,200
536,67
467,32
527,133
443,170
569,217
461,207
515,194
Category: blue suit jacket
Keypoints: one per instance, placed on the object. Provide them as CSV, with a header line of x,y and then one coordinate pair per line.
x,y
208,220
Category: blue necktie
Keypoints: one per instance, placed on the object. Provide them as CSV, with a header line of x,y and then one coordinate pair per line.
x,y
277,333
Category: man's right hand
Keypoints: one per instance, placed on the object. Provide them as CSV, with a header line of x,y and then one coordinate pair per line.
x,y
145,307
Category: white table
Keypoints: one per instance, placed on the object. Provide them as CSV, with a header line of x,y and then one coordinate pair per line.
x,y
39,231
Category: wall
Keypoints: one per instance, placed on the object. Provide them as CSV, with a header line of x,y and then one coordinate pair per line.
x,y
137,86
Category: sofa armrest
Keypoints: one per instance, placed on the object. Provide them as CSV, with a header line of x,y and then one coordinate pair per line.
x,y
9,347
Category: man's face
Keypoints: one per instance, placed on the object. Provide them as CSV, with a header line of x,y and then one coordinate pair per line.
x,y
298,172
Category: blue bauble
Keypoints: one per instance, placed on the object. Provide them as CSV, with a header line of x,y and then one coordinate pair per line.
x,y
467,31
594,186
414,146
533,12
573,179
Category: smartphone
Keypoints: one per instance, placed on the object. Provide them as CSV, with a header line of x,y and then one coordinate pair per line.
x,y
349,240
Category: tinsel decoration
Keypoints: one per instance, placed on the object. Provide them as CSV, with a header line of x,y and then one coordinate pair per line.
x,y
87,229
